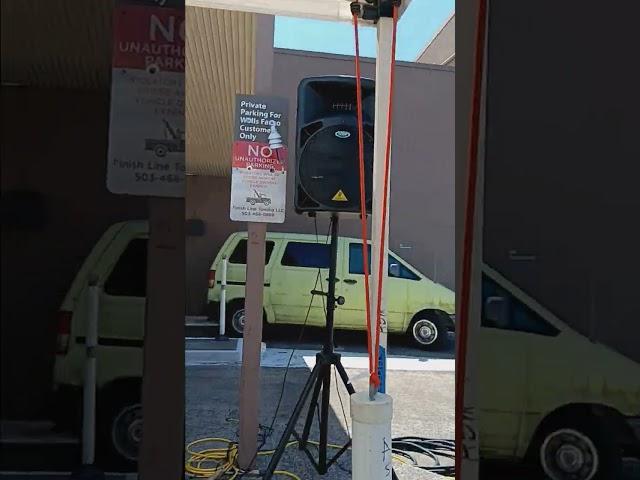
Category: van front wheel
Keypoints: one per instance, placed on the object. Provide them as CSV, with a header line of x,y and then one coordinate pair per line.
x,y
121,428
428,331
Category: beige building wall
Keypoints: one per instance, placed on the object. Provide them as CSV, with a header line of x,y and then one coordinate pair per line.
x,y
422,191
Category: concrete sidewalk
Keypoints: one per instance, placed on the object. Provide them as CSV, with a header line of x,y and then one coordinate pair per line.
x,y
424,406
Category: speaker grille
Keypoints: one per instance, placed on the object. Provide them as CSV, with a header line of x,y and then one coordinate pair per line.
x,y
329,168
327,163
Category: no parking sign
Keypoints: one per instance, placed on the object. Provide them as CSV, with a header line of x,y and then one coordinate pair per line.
x,y
146,131
259,164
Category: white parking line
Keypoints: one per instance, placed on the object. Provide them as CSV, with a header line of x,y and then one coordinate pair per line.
x,y
279,357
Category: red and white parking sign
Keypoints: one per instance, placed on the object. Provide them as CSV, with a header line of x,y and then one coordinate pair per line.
x,y
146,133
260,156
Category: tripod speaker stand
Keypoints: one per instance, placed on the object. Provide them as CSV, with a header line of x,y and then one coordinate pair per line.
x,y
319,382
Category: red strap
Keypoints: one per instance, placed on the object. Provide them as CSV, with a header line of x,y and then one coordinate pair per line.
x,y
381,257
465,282
363,207
374,378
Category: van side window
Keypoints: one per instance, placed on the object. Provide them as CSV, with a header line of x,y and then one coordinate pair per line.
x,y
356,264
129,276
239,254
502,310
404,271
310,255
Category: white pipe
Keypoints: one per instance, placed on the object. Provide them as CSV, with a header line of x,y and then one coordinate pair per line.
x,y
383,70
371,454
89,386
223,296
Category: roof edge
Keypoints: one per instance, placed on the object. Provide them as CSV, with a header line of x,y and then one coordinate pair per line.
x,y
440,30
369,60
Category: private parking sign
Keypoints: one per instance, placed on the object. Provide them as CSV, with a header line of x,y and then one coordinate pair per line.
x,y
259,163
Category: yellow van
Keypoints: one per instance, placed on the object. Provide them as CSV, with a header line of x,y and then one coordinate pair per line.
x,y
550,395
118,263
296,264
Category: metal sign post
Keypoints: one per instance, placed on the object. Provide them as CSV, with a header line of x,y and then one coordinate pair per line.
x,y
223,298
88,470
89,385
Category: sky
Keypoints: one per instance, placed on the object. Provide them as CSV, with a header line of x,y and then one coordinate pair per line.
x,y
419,24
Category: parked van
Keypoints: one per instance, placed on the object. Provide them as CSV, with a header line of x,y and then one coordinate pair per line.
x,y
118,262
549,394
296,264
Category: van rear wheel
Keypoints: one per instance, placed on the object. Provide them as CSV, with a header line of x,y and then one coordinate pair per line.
x,y
578,449
235,320
428,331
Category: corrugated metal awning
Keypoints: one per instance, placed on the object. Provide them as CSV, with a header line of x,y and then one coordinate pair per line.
x,y
220,50
57,43
67,44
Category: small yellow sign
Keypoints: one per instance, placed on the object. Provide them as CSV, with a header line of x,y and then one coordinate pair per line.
x,y
340,197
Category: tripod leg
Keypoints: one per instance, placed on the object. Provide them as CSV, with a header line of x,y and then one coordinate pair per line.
x,y
291,425
345,378
324,421
344,448
312,406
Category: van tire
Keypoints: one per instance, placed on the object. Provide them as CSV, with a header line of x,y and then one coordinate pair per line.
x,y
120,417
578,434
428,331
234,309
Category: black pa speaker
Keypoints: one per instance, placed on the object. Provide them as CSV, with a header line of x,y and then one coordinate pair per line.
x,y
327,162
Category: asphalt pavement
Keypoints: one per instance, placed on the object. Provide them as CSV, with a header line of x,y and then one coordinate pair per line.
x,y
423,399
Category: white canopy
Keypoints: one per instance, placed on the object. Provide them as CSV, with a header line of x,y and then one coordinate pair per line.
x,y
319,9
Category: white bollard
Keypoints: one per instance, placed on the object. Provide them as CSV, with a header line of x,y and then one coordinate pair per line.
x,y
223,297
89,386
371,456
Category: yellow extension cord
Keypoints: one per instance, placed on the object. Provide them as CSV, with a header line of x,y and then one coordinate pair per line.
x,y
215,463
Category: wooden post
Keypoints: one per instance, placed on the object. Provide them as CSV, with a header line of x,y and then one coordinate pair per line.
x,y
252,337
250,371
162,447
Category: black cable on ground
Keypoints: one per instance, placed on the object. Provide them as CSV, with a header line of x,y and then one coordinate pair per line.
x,y
413,448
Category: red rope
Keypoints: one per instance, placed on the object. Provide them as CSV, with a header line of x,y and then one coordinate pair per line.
x,y
470,207
375,379
363,206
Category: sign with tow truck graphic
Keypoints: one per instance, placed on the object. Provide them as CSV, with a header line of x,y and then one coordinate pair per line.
x,y
259,163
146,131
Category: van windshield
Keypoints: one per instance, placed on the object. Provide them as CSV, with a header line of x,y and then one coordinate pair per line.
x,y
356,264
